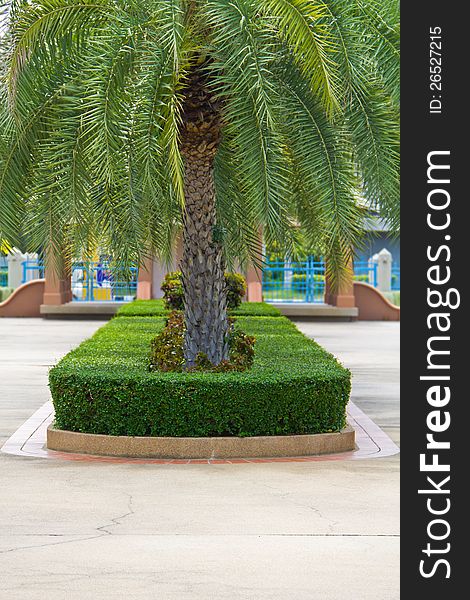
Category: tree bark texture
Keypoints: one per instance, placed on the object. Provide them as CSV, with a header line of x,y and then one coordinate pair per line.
x,y
202,265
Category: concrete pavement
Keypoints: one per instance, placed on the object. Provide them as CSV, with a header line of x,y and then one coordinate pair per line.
x,y
371,350
322,531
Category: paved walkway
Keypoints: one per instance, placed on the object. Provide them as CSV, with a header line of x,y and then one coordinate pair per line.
x,y
79,531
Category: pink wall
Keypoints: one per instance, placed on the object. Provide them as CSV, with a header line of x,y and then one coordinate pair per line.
x,y
372,305
25,301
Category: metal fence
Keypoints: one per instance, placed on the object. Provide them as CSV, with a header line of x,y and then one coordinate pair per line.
x,y
294,281
3,271
32,269
92,281
395,279
304,281
365,271
100,282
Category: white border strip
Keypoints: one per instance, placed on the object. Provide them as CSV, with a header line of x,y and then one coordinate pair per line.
x,y
30,438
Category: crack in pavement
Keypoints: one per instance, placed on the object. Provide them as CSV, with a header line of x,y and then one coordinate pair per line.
x,y
84,539
287,497
117,520
102,529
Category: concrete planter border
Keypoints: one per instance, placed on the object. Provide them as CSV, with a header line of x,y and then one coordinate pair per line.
x,y
203,448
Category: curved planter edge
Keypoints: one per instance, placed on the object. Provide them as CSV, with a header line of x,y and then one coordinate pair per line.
x,y
203,448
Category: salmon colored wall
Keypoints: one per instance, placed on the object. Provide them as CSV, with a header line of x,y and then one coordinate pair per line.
x,y
25,301
372,305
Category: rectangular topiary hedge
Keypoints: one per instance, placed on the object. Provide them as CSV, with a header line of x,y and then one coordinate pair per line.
x,y
156,308
294,387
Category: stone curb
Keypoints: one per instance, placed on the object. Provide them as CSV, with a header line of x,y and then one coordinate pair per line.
x,y
203,448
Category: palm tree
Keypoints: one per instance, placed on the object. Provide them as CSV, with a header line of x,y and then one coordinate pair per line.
x,y
123,119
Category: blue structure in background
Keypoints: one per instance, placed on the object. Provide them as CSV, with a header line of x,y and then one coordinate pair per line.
x,y
32,269
99,282
396,279
365,271
92,281
376,237
301,281
3,271
304,281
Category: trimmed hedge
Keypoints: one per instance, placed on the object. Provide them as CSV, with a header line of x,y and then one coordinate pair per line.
x,y
104,386
156,308
143,308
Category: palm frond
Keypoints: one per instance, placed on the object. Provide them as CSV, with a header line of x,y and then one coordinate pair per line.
x,y
326,185
305,27
244,53
46,29
91,117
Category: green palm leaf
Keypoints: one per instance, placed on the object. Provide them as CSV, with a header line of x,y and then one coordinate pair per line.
x,y
91,119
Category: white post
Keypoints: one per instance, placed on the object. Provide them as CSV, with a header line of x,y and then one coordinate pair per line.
x,y
15,268
372,264
158,275
288,273
384,271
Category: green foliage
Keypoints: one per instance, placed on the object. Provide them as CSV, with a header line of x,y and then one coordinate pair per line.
x,y
143,308
173,295
167,349
236,289
363,278
156,308
172,288
297,278
242,350
91,107
393,297
293,387
5,292
256,309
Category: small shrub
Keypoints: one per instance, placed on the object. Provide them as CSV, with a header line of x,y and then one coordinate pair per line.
x,y
173,295
5,292
236,289
172,288
393,297
242,349
167,353
167,347
362,278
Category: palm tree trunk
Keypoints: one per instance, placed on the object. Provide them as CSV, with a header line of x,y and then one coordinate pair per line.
x,y
202,265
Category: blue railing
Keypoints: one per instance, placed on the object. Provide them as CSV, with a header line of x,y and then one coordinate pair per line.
x,y
32,269
395,279
92,281
304,281
294,282
365,271
99,282
3,271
